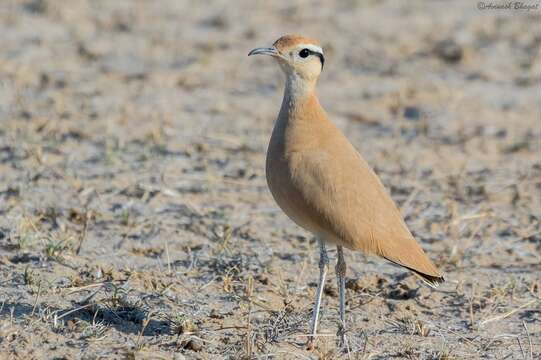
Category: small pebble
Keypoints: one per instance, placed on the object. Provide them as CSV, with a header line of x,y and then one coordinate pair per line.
x,y
412,112
449,51
194,345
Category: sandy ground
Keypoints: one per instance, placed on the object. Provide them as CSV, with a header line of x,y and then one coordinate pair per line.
x,y
135,222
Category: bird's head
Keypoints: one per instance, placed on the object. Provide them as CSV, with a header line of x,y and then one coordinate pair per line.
x,y
297,55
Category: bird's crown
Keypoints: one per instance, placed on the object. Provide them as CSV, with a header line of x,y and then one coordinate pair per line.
x,y
290,41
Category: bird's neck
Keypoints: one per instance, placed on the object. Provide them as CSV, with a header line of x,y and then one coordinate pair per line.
x,y
297,94
298,88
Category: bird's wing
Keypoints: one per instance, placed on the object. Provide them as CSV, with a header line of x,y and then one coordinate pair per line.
x,y
354,207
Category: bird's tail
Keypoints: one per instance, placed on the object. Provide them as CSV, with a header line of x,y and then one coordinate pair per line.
x,y
430,280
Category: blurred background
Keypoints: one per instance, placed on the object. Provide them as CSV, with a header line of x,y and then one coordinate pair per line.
x,y
135,221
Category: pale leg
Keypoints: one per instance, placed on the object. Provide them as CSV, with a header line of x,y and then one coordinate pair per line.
x,y
341,279
323,267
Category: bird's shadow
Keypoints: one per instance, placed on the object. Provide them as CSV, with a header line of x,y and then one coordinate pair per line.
x,y
124,318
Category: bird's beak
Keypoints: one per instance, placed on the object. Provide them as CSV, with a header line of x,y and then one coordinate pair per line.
x,y
272,51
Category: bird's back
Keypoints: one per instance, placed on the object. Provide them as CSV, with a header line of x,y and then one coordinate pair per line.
x,y
322,183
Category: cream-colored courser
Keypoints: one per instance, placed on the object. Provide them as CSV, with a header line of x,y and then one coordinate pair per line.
x,y
324,185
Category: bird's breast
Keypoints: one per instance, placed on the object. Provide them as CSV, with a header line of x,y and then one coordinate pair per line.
x,y
284,159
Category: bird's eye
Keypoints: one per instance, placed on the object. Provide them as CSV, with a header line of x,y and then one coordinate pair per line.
x,y
304,53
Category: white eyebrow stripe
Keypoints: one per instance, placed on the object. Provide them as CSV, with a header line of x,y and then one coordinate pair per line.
x,y
312,47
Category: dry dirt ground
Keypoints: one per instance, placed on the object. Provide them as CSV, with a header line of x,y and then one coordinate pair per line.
x,y
135,222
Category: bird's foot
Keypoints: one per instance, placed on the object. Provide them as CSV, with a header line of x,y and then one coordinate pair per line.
x,y
310,343
342,339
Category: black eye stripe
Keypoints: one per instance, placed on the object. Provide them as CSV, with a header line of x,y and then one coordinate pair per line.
x,y
305,52
321,58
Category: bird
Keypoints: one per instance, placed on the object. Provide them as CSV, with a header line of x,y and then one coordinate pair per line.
x,y
324,185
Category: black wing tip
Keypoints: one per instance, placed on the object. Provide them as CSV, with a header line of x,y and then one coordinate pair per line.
x,y
432,281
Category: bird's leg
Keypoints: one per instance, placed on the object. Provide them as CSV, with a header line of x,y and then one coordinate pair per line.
x,y
341,279
323,268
